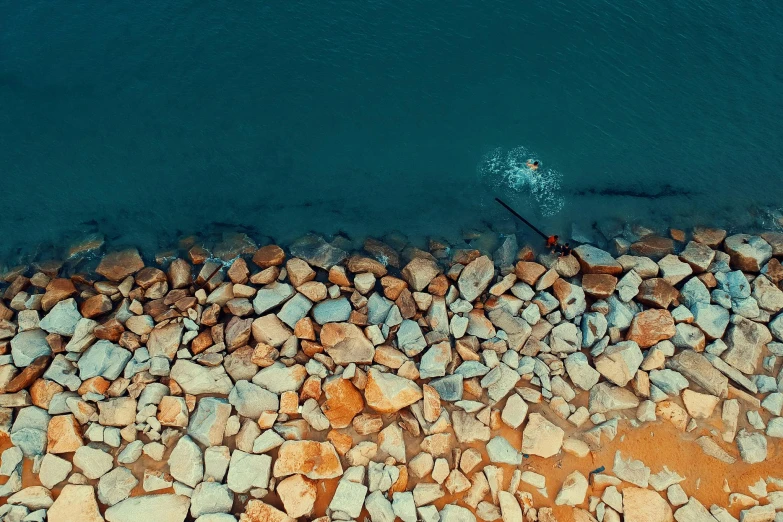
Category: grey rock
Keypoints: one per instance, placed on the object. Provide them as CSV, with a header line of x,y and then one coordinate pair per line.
x,y
580,371
594,327
196,379
295,309
605,398
628,286
410,339
499,381
104,359
208,422
216,460
62,318
332,311
131,453
693,511
475,278
279,378
63,372
186,463
712,319
500,451
94,463
27,346
379,508
171,508
251,400
378,308
209,498
247,471
348,498
752,446
11,459
116,485
272,296
434,361
620,314
317,252
698,369
669,381
745,340
449,388
734,283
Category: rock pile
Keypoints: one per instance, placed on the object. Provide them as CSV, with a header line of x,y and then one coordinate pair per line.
x,y
219,391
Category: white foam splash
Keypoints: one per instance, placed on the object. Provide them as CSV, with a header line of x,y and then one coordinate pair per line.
x,y
507,170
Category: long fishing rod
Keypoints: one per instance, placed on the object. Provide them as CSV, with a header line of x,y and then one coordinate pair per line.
x,y
525,221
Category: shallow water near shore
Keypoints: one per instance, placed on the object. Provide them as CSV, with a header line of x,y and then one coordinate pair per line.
x,y
149,119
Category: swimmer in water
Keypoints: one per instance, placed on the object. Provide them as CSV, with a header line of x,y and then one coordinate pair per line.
x,y
532,164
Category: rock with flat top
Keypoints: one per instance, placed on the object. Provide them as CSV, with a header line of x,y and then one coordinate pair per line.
x,y
693,511
116,486
643,505
573,490
116,266
78,503
208,423
317,252
752,446
541,437
346,343
196,379
247,471
315,460
596,261
186,463
475,278
698,369
171,508
258,511
748,253
633,471
27,346
746,340
389,393
348,498
605,398
94,463
650,327
620,362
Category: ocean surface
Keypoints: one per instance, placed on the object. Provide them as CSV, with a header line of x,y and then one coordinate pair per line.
x,y
146,120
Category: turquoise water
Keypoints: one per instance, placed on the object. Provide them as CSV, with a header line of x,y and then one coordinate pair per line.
x,y
148,119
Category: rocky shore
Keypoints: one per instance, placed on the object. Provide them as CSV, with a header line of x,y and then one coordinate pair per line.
x,y
330,380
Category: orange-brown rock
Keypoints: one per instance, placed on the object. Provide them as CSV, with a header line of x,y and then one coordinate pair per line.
x,y
264,355
712,237
313,290
773,270
64,434
652,246
600,286
57,290
389,357
87,244
406,304
42,392
289,403
359,264
310,348
677,234
97,385
111,330
383,251
148,276
258,511
342,442
346,343
529,272
299,272
298,495
180,273
402,481
238,272
431,403
657,292
465,256
438,286
393,287
305,329
95,306
28,375
315,460
269,255
343,402
116,266
650,327
173,411
367,423
388,393
311,389
198,254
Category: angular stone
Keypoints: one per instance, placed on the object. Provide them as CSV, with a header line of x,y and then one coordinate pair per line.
x,y
207,425
317,252
752,446
419,272
571,298
633,471
186,463
29,345
643,505
656,292
64,434
698,256
271,296
650,327
348,498
116,266
76,503
673,270
620,362
652,246
171,508
104,359
605,398
573,490
541,437
388,393
693,511
62,319
711,319
475,278
116,486
247,471
599,286
747,253
698,369
745,340
94,463
298,495
251,400
596,261
343,402
196,379
315,460
346,343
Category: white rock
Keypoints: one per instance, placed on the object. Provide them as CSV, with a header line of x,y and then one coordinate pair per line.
x,y
348,498
247,471
53,470
210,497
186,462
573,491
94,463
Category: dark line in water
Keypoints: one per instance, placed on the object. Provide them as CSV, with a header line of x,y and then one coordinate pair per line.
x,y
666,191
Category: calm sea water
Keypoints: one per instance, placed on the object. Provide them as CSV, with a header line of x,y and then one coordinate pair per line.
x,y
145,119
